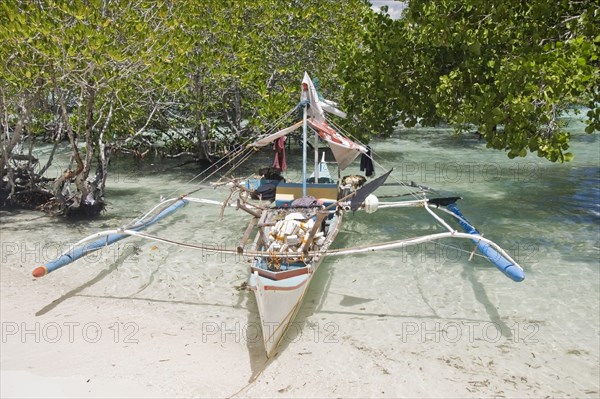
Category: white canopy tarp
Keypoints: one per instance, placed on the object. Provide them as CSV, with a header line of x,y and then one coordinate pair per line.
x,y
344,150
272,137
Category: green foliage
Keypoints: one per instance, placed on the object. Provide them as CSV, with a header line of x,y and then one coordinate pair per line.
x,y
92,71
75,48
248,56
510,69
124,68
187,63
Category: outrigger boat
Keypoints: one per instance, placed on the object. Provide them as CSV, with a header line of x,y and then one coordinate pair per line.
x,y
294,224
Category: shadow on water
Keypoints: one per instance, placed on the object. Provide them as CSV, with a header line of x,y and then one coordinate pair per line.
x,y
254,339
581,204
155,300
127,252
99,277
319,290
18,224
482,298
258,359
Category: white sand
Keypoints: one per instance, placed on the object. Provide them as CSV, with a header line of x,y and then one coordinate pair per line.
x,y
409,329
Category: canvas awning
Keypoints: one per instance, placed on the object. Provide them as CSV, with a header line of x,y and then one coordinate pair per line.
x,y
272,137
344,150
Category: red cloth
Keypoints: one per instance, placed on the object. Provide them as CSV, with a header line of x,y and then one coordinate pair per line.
x,y
279,147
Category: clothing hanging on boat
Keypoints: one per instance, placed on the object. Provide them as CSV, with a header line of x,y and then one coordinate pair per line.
x,y
279,147
366,163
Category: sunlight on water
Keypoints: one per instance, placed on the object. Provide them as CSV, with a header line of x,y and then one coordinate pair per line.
x,y
546,215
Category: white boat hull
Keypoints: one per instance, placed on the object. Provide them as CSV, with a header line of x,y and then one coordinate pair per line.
x,y
278,307
279,299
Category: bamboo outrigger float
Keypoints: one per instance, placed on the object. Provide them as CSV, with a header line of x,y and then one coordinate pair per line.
x,y
295,225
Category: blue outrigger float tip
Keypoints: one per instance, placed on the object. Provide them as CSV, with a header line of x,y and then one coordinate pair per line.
x,y
84,249
295,223
510,269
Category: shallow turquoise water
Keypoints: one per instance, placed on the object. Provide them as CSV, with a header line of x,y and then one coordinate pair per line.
x,y
546,215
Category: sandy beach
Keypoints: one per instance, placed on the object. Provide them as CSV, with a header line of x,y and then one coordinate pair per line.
x,y
142,319
144,323
429,170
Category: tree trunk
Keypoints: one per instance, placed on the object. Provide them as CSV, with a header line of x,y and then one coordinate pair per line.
x,y
202,135
202,127
86,201
9,142
19,184
104,153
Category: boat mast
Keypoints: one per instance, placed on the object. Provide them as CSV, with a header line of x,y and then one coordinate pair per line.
x,y
316,157
304,134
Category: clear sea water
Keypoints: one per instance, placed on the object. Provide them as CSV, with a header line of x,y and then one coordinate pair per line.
x,y
546,215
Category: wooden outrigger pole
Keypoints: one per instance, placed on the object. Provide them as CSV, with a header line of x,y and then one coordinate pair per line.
x,y
103,239
294,234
